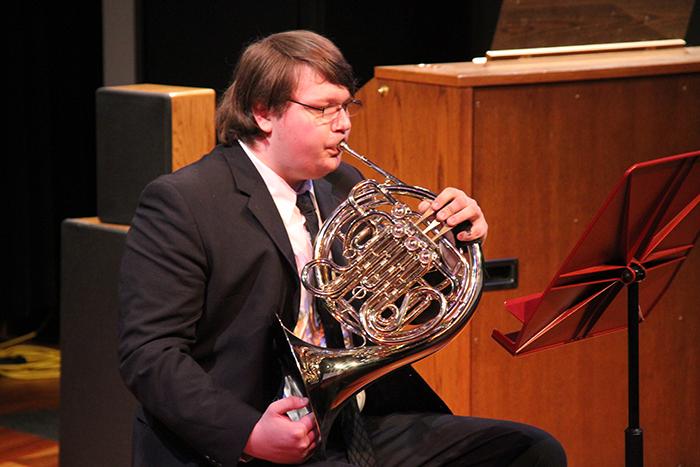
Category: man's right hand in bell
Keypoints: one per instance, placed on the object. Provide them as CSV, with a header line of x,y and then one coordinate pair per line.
x,y
277,438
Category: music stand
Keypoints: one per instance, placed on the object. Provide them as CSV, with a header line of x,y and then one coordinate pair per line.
x,y
643,232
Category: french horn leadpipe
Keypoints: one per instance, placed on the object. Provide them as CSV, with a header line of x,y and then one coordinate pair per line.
x,y
387,274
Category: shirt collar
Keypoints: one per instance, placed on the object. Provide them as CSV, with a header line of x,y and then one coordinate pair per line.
x,y
284,196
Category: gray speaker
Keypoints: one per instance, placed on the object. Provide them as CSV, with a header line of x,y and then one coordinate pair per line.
x,y
143,131
96,409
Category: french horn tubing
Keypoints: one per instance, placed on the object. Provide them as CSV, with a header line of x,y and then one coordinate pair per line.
x,y
389,275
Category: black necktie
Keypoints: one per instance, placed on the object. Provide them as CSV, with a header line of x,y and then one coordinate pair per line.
x,y
331,328
306,206
359,447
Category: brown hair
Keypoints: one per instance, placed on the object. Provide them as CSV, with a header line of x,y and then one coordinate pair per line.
x,y
267,75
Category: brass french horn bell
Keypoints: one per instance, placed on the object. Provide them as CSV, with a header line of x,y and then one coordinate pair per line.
x,y
389,275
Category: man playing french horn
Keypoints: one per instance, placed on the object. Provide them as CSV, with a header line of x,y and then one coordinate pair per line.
x,y
212,264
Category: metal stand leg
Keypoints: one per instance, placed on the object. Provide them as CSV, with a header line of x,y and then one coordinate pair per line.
x,y
634,449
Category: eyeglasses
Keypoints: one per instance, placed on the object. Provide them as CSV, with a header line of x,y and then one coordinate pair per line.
x,y
329,113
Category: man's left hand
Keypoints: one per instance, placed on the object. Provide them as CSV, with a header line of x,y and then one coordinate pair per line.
x,y
453,207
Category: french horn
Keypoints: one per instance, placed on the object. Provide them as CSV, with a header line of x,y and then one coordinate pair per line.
x,y
390,276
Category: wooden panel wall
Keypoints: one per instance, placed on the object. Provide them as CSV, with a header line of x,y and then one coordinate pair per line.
x,y
548,155
540,159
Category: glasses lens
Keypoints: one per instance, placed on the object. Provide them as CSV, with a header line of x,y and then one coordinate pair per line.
x,y
330,113
353,107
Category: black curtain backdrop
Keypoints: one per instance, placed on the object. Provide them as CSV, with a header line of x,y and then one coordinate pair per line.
x,y
55,58
208,36
55,55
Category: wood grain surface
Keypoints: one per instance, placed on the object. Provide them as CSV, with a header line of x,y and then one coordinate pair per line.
x,y
548,69
540,151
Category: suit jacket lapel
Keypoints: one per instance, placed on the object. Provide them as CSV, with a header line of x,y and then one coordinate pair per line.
x,y
260,203
249,182
326,198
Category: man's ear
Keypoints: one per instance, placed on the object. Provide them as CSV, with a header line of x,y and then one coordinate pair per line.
x,y
263,117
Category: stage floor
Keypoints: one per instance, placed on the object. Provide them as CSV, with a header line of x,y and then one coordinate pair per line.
x,y
29,422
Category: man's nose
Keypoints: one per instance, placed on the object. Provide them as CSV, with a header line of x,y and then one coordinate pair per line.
x,y
342,121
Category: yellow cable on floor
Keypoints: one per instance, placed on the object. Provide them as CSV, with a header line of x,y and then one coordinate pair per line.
x,y
37,362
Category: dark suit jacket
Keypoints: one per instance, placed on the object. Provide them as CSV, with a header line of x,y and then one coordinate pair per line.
x,y
206,267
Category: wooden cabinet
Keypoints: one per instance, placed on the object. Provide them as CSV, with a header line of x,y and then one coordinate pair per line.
x,y
540,142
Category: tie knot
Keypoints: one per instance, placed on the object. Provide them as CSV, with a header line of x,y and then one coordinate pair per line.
x,y
306,206
304,202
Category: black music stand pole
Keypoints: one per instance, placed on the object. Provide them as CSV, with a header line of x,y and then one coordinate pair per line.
x,y
634,436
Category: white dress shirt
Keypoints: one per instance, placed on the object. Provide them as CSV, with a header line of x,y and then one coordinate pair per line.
x,y
285,198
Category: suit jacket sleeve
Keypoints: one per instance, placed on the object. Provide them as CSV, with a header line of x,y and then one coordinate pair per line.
x,y
162,296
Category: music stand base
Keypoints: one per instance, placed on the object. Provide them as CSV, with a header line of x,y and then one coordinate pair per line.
x,y
634,438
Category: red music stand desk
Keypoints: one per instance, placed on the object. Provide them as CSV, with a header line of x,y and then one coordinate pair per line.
x,y
643,232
